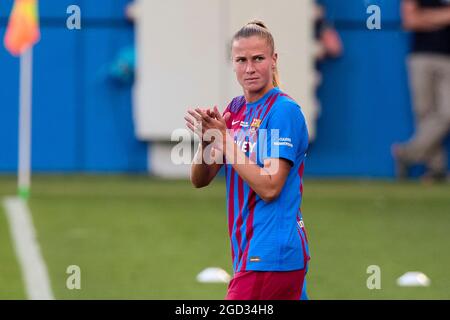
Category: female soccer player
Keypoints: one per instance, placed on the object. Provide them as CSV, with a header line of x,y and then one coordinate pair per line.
x,y
263,140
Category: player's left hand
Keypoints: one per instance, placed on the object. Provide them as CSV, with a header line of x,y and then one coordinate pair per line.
x,y
211,122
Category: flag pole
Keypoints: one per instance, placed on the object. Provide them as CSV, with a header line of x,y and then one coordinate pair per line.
x,y
25,104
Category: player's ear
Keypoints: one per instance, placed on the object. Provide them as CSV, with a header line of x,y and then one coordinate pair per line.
x,y
275,59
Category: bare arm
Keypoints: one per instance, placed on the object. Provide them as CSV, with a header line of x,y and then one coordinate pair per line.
x,y
205,164
424,19
268,181
203,173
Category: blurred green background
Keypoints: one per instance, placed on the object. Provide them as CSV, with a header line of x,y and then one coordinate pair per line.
x,y
136,237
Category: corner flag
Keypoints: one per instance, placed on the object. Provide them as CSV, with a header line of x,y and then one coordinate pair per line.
x,y
23,27
22,33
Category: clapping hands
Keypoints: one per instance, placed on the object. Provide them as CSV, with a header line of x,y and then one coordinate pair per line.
x,y
207,124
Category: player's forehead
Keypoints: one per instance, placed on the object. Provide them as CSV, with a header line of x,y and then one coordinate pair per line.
x,y
251,46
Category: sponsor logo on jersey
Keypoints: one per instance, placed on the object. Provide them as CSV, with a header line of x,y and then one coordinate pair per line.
x,y
241,123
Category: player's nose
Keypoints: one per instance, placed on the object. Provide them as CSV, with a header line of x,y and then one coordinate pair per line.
x,y
250,68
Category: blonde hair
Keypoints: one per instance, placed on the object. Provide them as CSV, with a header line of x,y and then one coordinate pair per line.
x,y
259,29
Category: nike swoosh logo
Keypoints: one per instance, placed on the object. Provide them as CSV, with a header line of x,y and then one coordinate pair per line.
x,y
234,122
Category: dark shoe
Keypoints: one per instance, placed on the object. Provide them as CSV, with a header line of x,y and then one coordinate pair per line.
x,y
401,166
434,177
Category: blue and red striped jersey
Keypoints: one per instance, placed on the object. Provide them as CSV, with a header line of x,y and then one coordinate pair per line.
x,y
267,236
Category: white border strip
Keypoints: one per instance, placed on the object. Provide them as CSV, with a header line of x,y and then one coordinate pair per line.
x,y
34,270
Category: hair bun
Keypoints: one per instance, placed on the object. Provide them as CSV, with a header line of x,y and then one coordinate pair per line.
x,y
258,23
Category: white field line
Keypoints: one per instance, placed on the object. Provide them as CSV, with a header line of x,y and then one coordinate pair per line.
x,y
34,270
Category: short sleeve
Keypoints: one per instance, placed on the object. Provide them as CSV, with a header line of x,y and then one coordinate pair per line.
x,y
287,134
232,108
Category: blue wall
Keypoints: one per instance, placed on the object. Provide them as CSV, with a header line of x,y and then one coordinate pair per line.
x,y
83,122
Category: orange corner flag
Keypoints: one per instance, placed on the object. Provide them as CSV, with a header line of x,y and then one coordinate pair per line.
x,y
23,27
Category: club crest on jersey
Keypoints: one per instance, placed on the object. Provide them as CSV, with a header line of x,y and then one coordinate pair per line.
x,y
255,124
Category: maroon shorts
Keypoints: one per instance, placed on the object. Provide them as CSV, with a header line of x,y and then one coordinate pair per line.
x,y
266,285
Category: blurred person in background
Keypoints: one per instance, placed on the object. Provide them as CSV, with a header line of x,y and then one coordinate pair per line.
x,y
328,46
329,41
122,69
429,72
132,10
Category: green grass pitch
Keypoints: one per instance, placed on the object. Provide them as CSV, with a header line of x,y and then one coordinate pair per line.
x,y
136,237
